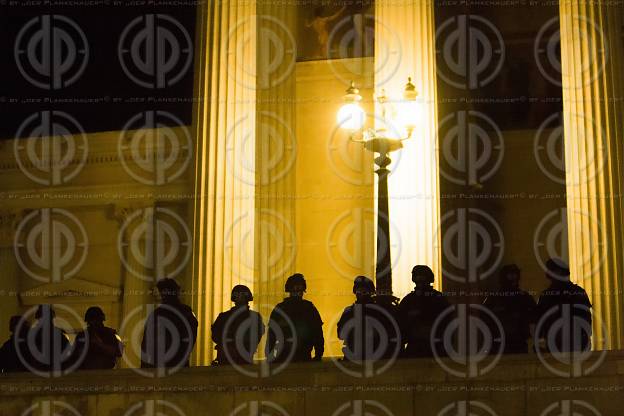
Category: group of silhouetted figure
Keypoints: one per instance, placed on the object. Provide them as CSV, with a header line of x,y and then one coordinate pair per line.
x,y
374,327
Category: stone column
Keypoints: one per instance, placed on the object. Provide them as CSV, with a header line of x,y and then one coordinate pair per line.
x,y
224,124
276,151
591,52
404,47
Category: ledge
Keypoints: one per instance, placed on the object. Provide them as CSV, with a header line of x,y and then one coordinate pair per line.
x,y
516,385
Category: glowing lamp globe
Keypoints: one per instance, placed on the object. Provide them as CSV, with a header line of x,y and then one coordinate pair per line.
x,y
409,113
351,116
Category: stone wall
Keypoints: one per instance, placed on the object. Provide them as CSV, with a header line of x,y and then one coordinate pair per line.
x,y
516,386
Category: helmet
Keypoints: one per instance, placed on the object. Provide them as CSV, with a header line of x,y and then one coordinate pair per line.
x,y
422,274
94,313
243,291
296,280
363,282
557,269
168,286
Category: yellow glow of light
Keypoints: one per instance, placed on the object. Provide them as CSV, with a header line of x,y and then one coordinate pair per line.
x,y
351,116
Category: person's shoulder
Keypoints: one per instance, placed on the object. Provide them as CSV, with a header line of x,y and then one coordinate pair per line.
x,y
255,314
110,330
577,288
407,298
348,310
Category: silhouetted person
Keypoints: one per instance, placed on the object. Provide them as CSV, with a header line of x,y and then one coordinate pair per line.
x,y
563,312
237,332
514,308
170,330
369,331
14,352
48,345
295,326
418,312
98,346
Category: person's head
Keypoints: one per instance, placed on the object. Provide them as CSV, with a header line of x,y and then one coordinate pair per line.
x,y
318,11
295,285
94,317
363,287
557,270
509,276
241,295
18,323
45,313
168,289
422,275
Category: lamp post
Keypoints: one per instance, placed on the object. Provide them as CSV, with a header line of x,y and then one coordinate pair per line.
x,y
352,117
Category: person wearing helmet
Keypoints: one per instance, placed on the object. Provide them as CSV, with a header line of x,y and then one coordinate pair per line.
x,y
564,316
14,352
369,331
418,312
295,326
170,330
237,332
98,346
51,349
514,308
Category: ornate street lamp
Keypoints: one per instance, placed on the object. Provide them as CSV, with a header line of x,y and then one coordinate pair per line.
x,y
351,117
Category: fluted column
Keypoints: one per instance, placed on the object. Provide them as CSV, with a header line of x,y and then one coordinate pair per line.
x,y
591,49
224,123
276,151
404,47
